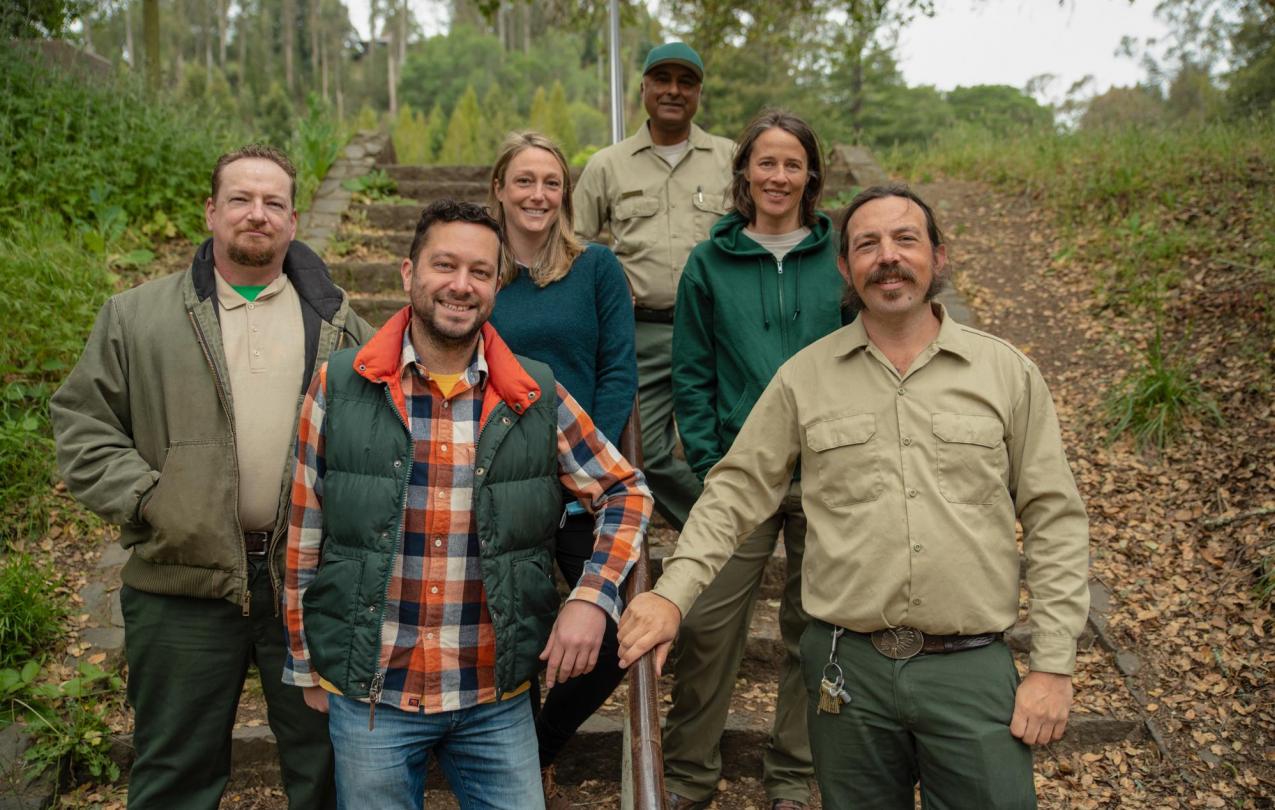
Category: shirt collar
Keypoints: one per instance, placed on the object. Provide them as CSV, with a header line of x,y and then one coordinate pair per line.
x,y
951,337
699,139
475,375
229,298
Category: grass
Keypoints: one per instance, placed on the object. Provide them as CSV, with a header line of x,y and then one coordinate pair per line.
x,y
1158,398
31,611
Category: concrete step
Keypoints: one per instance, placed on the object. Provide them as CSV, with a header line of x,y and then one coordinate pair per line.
x,y
389,216
430,190
439,174
378,278
377,309
395,242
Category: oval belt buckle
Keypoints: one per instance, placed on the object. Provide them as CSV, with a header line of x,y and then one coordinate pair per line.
x,y
898,643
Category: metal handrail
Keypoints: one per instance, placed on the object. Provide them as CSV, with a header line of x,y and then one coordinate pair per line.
x,y
646,746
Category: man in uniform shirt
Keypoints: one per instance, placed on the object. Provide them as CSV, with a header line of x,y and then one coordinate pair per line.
x,y
177,424
658,192
920,441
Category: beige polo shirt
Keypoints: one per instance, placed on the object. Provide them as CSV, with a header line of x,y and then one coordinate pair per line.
x,y
655,212
264,342
911,486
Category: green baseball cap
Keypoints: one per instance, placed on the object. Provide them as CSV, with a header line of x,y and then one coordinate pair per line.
x,y
676,52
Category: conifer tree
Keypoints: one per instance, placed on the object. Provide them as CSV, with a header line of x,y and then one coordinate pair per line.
x,y
461,144
539,119
561,128
436,132
411,145
498,120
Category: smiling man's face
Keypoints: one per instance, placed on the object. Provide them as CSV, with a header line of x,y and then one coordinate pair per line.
x,y
889,262
252,219
453,282
670,93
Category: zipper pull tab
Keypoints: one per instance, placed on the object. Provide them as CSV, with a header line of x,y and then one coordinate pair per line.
x,y
378,683
247,601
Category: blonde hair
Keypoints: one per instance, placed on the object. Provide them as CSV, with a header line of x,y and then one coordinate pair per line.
x,y
562,247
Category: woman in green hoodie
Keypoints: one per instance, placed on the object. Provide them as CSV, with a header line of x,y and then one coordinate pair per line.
x,y
762,287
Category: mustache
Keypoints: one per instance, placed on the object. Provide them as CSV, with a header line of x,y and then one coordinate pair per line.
x,y
894,271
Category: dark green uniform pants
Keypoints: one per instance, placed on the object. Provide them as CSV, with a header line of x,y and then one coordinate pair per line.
x,y
942,720
670,478
187,660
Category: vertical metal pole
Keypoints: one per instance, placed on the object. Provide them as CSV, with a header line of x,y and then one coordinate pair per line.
x,y
617,75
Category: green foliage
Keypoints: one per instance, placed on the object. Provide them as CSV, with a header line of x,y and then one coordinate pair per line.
x,y
50,290
1155,401
561,127
1124,107
460,147
437,132
375,186
207,90
274,118
498,121
367,119
316,145
38,18
61,138
999,109
31,610
68,721
410,133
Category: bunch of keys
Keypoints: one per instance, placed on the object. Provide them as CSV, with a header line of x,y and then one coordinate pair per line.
x,y
832,690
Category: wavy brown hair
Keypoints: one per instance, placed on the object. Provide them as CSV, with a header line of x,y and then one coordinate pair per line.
x,y
799,129
562,247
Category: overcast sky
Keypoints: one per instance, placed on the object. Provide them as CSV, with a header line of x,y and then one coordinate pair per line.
x,y
971,42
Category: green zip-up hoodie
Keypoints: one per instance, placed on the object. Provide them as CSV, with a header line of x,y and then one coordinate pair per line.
x,y
739,315
145,425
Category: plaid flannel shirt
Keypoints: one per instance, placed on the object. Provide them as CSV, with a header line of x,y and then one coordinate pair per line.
x,y
438,648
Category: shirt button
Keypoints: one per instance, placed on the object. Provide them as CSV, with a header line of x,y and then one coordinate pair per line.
x,y
443,448
907,441
916,547
442,493
371,608
429,636
911,493
434,589
479,470
446,403
397,463
438,541
902,391
256,353
252,306
916,601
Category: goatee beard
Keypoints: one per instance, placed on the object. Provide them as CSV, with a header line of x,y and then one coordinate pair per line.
x,y
250,258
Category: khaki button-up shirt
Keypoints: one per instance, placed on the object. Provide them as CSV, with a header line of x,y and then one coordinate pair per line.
x,y
911,487
655,213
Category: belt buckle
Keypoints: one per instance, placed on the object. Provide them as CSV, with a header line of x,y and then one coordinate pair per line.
x,y
899,643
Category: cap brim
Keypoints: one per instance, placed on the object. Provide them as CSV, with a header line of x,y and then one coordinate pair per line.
x,y
694,68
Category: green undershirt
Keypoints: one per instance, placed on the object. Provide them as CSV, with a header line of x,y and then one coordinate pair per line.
x,y
249,291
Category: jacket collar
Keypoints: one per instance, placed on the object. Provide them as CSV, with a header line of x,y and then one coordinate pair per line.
x,y
951,337
303,267
642,138
379,361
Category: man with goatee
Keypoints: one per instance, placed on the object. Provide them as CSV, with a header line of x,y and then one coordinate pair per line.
x,y
177,425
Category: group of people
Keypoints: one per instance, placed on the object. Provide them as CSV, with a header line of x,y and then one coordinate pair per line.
x,y
372,517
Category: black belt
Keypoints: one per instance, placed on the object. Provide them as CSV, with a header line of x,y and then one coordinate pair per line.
x,y
905,642
653,315
256,542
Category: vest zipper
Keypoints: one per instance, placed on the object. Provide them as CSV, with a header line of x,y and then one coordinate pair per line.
x,y
230,417
378,675
378,683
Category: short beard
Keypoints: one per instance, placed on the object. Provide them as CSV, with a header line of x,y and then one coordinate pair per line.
x,y
424,321
250,258
853,302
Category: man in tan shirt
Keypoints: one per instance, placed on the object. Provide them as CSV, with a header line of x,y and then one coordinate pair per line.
x,y
658,192
920,442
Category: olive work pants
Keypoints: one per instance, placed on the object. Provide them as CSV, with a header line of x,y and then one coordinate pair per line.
x,y
187,662
670,478
706,660
941,720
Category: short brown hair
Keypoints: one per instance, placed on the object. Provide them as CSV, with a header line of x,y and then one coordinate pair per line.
x,y
879,193
447,210
256,150
799,129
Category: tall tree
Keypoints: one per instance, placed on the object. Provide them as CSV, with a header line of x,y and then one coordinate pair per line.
x,y
150,35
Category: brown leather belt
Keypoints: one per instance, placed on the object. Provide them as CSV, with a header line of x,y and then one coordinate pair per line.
x,y
653,315
901,643
256,543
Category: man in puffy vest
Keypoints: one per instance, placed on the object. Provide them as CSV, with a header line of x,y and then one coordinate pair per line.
x,y
420,599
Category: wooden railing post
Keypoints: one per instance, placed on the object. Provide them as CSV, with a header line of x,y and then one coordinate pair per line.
x,y
642,787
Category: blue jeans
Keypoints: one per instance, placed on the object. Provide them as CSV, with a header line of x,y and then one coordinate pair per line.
x,y
488,754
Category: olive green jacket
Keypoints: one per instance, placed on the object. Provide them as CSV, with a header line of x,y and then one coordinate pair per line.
x,y
145,428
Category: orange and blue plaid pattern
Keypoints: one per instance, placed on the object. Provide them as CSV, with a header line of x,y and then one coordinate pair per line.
x,y
438,647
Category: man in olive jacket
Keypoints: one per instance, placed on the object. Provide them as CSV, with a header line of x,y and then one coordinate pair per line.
x,y
177,425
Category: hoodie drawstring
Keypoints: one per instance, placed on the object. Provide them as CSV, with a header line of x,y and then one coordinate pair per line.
x,y
761,291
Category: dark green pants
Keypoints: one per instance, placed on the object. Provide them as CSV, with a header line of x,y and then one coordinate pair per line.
x,y
942,720
187,661
668,475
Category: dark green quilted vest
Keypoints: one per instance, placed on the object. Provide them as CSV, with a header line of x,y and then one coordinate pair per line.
x,y
517,507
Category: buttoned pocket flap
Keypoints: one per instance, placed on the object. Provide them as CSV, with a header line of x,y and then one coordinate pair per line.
x,y
959,428
709,203
632,207
841,431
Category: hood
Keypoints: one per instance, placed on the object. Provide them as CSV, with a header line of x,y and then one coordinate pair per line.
x,y
728,236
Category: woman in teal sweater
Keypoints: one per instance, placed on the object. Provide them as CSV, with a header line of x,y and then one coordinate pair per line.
x,y
566,304
761,288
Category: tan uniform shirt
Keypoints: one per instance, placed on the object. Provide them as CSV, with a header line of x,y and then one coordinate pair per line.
x,y
910,485
264,341
655,213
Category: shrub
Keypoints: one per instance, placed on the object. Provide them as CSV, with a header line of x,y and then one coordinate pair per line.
x,y
31,611
316,145
1154,401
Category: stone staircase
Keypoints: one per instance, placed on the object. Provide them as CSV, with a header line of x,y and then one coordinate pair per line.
x,y
364,256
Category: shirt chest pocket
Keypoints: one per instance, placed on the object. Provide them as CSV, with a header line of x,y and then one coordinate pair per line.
x,y
972,460
633,223
846,458
708,207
